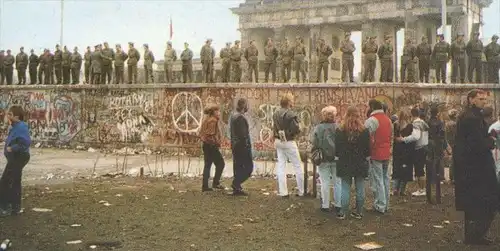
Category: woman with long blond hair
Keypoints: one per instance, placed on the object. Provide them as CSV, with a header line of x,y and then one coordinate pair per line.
x,y
402,163
211,138
352,143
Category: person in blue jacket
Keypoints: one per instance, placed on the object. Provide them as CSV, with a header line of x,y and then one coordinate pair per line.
x,y
17,153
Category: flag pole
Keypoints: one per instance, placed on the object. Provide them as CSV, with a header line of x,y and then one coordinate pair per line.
x,y
1,22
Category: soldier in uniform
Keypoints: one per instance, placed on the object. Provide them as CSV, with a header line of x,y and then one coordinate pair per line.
x,y
2,71
408,62
21,65
236,55
8,65
385,54
324,51
370,49
170,57
34,60
474,50
86,67
149,59
58,64
286,54
66,65
492,52
76,66
96,65
271,55
424,52
299,54
187,64
133,58
120,58
41,67
108,56
252,57
207,55
457,54
48,62
225,56
347,48
440,55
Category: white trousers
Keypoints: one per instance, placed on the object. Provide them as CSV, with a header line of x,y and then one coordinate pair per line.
x,y
288,151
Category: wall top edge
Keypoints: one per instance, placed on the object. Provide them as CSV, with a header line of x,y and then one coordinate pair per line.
x,y
246,85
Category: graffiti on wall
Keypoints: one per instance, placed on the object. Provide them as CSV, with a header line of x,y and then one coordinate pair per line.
x,y
166,117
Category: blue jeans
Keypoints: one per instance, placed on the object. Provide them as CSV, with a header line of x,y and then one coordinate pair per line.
x,y
380,184
359,183
327,172
399,186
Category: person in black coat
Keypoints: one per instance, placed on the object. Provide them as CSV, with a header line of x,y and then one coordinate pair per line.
x,y
241,147
476,185
402,153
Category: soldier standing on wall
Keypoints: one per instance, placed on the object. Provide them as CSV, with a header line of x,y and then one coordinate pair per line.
x,y
225,56
236,55
299,54
252,57
58,65
370,49
347,48
107,63
324,51
207,55
8,64
441,55
170,57
41,67
474,50
21,65
48,67
86,67
492,52
2,71
133,58
187,64
286,54
76,66
149,59
120,58
457,54
34,60
66,65
424,52
271,55
96,64
408,62
385,54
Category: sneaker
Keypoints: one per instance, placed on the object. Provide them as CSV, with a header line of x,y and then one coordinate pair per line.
x,y
324,210
419,193
356,216
5,213
340,216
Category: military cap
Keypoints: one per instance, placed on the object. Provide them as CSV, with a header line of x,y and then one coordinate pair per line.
x,y
460,35
440,35
131,43
237,41
494,37
8,50
169,43
146,45
476,33
32,50
22,47
88,47
228,43
57,45
347,33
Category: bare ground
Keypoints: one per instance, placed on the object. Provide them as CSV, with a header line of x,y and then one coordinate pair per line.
x,y
170,214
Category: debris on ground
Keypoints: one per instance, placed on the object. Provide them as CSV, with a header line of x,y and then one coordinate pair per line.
x,y
41,210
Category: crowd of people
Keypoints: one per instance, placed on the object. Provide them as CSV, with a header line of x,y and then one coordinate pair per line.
x,y
64,67
355,149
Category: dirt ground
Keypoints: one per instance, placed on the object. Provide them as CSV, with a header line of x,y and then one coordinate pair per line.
x,y
171,214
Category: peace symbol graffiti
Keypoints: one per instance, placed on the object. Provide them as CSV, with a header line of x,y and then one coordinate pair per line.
x,y
190,105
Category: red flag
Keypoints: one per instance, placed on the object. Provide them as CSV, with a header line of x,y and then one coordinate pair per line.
x,y
171,29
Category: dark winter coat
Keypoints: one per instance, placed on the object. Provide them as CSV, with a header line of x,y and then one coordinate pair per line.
x,y
402,153
476,185
353,152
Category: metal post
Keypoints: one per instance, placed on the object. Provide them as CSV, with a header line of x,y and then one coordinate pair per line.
x,y
1,21
62,23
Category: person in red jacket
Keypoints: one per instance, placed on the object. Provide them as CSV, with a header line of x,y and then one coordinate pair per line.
x,y
380,127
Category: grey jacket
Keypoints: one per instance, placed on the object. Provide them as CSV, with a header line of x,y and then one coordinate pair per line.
x,y
323,137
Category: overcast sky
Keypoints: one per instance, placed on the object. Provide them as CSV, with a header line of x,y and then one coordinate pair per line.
x,y
36,23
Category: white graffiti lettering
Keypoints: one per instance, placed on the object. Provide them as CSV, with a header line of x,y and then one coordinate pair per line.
x,y
132,128
134,100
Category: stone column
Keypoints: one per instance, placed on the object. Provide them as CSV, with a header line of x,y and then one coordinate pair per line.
x,y
314,34
278,38
366,32
245,42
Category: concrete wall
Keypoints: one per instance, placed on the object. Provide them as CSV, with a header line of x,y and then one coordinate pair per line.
x,y
161,116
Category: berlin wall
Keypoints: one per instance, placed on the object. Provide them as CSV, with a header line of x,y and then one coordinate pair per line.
x,y
161,116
